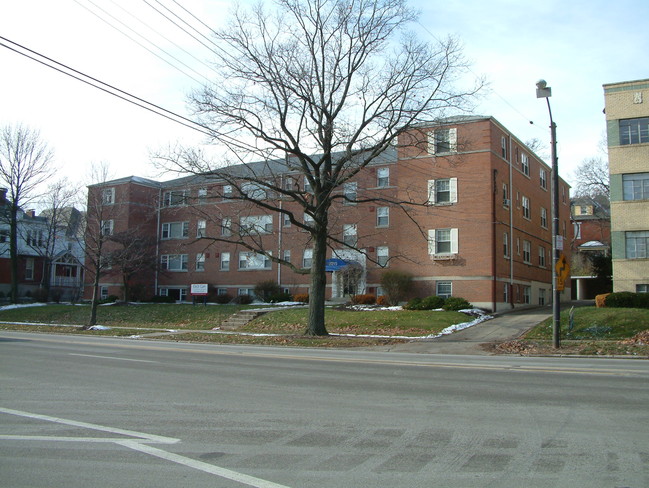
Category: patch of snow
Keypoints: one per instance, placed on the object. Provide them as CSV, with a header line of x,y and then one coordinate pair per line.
x,y
22,305
98,327
371,308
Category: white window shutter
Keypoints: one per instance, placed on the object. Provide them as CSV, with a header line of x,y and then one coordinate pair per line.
x,y
431,241
452,142
453,188
454,241
431,192
431,142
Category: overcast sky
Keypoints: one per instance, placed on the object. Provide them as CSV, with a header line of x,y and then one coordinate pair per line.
x,y
576,45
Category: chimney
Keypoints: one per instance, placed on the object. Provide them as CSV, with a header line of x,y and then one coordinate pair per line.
x,y
31,213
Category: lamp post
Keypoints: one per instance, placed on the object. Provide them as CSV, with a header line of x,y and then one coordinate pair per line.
x,y
544,91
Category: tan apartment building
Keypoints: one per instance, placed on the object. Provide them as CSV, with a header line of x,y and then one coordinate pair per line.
x,y
476,224
627,121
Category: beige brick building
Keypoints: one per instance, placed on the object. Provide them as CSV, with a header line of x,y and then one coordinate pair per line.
x,y
478,224
627,120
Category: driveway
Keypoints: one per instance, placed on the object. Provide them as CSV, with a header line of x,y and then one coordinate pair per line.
x,y
503,327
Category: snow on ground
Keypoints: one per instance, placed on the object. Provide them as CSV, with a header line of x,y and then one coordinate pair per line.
x,y
21,305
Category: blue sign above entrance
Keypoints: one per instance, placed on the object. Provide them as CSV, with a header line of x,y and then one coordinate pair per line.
x,y
335,264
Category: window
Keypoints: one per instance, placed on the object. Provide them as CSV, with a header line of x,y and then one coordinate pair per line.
x,y
4,235
200,262
254,191
541,256
286,220
442,242
221,291
349,235
29,268
108,196
525,164
174,262
506,293
227,191
505,195
442,141
636,186
106,228
253,260
308,220
506,244
350,192
542,296
503,147
527,294
202,195
577,230
35,238
383,177
103,292
544,218
634,131
307,185
383,216
518,246
225,261
174,198
442,191
642,288
246,292
307,258
226,227
382,255
256,224
525,202
543,179
444,289
201,225
287,256
637,244
175,230
527,252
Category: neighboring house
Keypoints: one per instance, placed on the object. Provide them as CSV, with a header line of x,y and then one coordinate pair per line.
x,y
481,229
591,221
627,120
41,245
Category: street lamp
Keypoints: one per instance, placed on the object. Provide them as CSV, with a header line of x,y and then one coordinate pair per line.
x,y
544,91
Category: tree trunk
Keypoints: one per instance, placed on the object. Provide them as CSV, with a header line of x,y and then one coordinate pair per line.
x,y
13,252
95,301
316,323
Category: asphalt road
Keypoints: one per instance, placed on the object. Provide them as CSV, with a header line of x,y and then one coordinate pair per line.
x,y
84,411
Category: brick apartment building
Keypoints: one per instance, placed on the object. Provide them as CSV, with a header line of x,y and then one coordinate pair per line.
x,y
479,226
627,120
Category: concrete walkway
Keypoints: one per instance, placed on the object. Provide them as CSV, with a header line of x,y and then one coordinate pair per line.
x,y
503,327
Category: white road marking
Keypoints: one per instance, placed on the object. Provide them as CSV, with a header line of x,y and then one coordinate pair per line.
x,y
111,357
201,466
139,443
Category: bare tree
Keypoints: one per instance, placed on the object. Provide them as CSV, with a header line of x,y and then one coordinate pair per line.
x,y
25,163
135,255
313,92
592,178
98,229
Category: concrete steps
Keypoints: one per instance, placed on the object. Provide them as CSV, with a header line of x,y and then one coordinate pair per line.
x,y
240,319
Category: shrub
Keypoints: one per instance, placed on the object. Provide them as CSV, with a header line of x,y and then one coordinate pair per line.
x,y
280,297
600,300
627,299
413,304
382,301
222,299
455,304
56,294
39,295
243,299
301,297
162,299
366,299
396,284
265,289
111,299
432,303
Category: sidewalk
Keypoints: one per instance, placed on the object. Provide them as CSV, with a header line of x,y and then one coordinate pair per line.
x,y
503,327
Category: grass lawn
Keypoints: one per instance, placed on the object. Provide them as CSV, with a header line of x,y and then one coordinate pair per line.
x,y
165,316
125,320
594,331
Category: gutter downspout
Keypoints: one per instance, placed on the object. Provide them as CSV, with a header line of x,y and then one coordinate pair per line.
x,y
494,248
511,228
157,242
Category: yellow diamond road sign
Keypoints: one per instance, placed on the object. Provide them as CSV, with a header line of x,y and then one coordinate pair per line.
x,y
563,270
